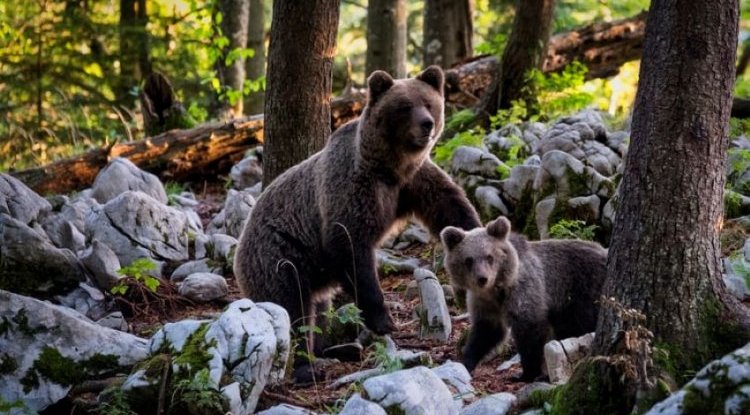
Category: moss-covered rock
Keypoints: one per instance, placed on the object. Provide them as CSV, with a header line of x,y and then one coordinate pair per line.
x,y
722,387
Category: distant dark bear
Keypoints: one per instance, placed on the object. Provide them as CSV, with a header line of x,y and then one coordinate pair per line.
x,y
316,227
540,289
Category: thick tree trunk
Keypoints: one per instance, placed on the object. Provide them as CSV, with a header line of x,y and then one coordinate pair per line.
x,y
386,37
135,60
447,32
256,65
300,60
231,72
525,51
179,155
664,259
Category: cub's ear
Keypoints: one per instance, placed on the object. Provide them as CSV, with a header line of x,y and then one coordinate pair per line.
x,y
378,83
499,228
451,237
434,77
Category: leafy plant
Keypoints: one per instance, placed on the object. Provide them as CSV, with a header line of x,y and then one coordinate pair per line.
x,y
173,189
512,156
572,229
197,394
348,314
443,152
380,356
138,271
556,94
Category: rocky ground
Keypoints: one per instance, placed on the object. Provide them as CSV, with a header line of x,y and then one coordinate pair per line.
x,y
121,298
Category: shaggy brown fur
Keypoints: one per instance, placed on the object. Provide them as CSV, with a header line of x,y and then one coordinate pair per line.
x,y
540,289
316,227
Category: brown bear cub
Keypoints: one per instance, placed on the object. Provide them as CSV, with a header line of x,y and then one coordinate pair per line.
x,y
316,227
540,289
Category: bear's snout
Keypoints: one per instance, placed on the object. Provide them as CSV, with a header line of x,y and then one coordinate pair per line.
x,y
427,125
482,281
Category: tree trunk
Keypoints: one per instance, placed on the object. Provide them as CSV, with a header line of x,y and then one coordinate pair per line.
x,y
256,65
386,37
300,60
135,59
525,51
447,31
231,66
179,155
664,259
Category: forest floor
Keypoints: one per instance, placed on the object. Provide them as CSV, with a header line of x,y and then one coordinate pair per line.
x,y
319,396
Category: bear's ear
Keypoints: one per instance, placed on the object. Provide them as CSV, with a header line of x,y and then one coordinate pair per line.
x,y
434,77
451,237
499,228
378,83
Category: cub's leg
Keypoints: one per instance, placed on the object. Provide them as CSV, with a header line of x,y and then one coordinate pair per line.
x,y
485,334
530,337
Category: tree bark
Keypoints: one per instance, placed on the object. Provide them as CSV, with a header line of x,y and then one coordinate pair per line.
x,y
447,32
179,155
386,37
300,60
234,26
256,65
664,259
525,50
135,59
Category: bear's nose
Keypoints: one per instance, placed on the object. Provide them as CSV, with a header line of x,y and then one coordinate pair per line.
x,y
482,281
427,126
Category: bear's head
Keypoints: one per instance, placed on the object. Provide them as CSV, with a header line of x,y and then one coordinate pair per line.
x,y
403,118
482,258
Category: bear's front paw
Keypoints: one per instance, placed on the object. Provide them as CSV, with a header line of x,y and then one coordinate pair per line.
x,y
380,323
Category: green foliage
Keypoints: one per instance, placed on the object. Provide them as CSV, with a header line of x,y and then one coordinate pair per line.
x,y
738,127
511,156
494,46
173,189
379,355
197,395
348,314
572,229
138,271
443,152
116,404
555,94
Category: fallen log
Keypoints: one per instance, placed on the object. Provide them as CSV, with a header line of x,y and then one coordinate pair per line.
x,y
178,155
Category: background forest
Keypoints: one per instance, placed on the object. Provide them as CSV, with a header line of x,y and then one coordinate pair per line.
x,y
71,71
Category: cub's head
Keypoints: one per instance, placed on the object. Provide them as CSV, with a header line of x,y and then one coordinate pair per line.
x,y
405,116
481,258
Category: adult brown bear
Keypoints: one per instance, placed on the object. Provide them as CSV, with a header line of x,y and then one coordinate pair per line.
x,y
316,227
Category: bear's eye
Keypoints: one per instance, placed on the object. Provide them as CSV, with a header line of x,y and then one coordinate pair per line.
x,y
404,106
469,262
490,259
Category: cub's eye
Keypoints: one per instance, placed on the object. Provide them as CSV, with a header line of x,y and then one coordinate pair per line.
x,y
490,259
469,262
